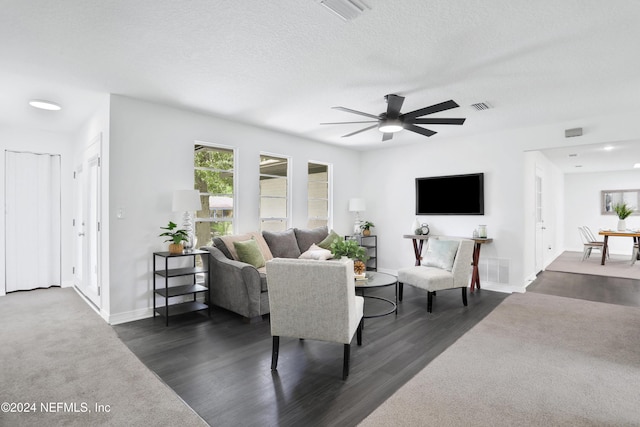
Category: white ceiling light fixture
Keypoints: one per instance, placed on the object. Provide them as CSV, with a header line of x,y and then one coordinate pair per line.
x,y
390,126
45,105
608,148
345,9
636,166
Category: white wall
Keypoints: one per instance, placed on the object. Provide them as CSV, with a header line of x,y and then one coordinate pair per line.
x,y
151,155
582,207
500,155
37,141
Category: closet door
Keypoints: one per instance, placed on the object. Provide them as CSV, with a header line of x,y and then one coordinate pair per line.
x,y
32,220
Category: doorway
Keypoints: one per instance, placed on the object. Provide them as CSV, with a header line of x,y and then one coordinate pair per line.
x,y
86,223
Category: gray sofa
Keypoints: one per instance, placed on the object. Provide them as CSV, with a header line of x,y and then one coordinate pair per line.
x,y
242,288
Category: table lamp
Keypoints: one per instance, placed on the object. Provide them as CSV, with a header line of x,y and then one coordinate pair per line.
x,y
357,205
187,201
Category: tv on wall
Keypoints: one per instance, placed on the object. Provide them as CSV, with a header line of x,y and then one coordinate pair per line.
x,y
450,195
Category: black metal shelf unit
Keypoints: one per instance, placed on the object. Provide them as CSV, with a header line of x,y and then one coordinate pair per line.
x,y
196,287
370,243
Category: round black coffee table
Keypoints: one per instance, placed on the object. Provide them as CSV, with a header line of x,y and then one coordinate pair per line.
x,y
376,279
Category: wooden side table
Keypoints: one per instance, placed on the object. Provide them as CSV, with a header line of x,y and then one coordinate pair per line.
x,y
475,274
418,241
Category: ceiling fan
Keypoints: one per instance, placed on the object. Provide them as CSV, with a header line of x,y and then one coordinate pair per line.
x,y
392,121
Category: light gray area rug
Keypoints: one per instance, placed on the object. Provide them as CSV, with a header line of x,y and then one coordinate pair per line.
x,y
535,360
64,365
615,266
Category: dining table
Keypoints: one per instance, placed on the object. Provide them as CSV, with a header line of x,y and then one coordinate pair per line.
x,y
635,234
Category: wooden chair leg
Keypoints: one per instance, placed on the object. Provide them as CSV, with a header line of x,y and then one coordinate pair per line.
x,y
345,365
429,301
464,296
359,332
400,289
274,352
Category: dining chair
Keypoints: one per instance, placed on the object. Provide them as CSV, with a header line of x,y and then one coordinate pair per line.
x,y
634,255
589,242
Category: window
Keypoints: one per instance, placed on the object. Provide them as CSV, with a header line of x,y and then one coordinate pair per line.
x,y
274,192
318,200
214,178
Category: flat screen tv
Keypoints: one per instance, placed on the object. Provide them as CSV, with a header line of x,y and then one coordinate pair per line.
x,y
450,195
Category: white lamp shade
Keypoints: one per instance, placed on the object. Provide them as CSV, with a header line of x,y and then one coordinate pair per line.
x,y
186,200
357,205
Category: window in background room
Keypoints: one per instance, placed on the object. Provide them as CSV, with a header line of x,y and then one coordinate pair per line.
x,y
274,193
214,177
318,199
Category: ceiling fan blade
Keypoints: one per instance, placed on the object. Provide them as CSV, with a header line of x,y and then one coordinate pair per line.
x,y
361,130
347,123
387,136
394,104
418,129
435,121
349,110
447,105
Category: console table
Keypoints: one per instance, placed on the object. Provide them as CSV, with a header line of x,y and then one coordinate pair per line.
x,y
419,239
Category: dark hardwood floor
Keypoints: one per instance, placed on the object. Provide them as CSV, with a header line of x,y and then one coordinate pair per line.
x,y
221,366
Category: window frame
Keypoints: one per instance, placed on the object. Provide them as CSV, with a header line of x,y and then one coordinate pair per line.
x,y
329,192
288,204
233,171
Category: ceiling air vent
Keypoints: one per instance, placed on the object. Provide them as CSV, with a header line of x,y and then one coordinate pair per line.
x,y
345,9
481,106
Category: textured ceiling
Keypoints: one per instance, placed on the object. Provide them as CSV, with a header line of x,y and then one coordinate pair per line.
x,y
283,64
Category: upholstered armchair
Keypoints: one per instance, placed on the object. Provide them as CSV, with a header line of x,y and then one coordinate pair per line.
x,y
446,265
314,300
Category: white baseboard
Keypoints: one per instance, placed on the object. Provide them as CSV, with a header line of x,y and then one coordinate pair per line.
x,y
130,316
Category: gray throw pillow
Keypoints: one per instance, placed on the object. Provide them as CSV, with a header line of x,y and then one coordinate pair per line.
x,y
307,237
283,244
441,254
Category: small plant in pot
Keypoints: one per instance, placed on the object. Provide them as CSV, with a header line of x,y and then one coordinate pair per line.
x,y
365,226
175,236
351,249
623,211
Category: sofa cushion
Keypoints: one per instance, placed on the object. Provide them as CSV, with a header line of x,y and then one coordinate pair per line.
x,y
282,244
263,278
327,241
231,250
249,252
316,252
441,254
307,237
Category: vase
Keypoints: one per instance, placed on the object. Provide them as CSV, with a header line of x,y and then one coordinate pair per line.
x,y
482,231
415,228
176,248
366,232
622,225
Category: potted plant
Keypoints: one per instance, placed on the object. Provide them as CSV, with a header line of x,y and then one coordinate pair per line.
x,y
365,227
176,236
351,249
623,211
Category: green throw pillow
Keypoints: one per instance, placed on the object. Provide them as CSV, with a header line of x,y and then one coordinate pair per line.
x,y
326,243
249,252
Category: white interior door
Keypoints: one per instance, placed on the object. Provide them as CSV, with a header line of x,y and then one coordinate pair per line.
x,y
540,228
87,224
32,220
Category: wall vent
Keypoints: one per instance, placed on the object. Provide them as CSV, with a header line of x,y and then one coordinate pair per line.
x,y
569,133
347,10
481,106
494,270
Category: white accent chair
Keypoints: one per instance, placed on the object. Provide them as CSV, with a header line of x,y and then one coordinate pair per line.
x,y
442,268
315,300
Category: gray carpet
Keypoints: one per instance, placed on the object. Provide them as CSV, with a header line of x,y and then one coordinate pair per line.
x,y
535,360
61,356
615,266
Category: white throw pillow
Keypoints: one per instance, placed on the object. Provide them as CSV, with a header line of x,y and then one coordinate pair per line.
x,y
441,254
316,252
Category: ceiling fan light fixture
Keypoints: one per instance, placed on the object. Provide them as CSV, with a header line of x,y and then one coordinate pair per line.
x,y
390,126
